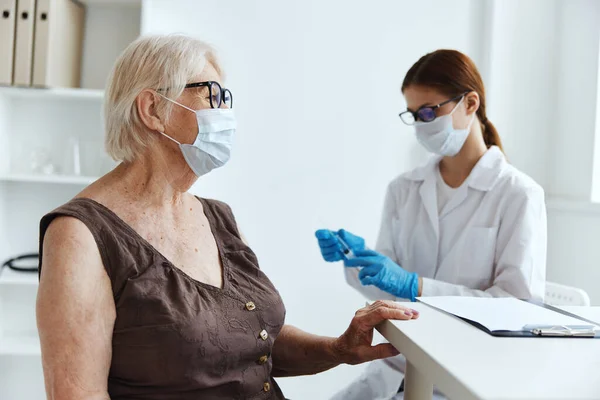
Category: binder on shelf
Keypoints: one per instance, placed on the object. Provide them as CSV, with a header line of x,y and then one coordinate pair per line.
x,y
58,43
24,42
8,11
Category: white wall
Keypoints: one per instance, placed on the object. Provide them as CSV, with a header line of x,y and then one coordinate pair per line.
x,y
521,89
573,223
316,88
543,99
576,82
573,245
109,28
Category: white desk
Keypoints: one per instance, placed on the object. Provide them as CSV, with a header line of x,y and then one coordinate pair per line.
x,y
466,363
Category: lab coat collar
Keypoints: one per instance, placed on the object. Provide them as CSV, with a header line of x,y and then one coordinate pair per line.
x,y
483,177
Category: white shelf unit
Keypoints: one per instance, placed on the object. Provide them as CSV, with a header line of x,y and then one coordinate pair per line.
x,y
20,378
40,131
51,139
17,315
63,179
20,346
52,93
9,277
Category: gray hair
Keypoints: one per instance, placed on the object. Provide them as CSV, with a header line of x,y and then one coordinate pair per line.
x,y
167,62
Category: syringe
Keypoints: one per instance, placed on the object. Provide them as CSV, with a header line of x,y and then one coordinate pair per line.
x,y
347,250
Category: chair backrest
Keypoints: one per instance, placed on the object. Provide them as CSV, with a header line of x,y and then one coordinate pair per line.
x,y
562,295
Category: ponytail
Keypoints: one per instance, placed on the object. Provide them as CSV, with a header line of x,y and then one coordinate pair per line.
x,y
490,134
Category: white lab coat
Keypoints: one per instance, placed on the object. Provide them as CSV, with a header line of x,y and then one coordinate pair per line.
x,y
496,224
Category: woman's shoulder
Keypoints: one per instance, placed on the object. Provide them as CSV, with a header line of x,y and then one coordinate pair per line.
x,y
414,177
79,220
68,235
80,211
214,203
517,183
63,225
67,244
221,216
217,207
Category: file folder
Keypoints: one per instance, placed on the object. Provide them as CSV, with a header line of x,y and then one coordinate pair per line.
x,y
58,43
24,42
8,11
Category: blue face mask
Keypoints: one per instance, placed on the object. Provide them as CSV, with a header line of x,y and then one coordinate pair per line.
x,y
212,147
440,137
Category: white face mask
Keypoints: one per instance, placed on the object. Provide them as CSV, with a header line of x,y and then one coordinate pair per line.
x,y
212,147
439,135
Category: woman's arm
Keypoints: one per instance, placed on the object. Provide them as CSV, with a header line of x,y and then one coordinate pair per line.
x,y
75,314
385,245
299,353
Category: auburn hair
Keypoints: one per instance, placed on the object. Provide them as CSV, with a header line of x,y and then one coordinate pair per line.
x,y
453,73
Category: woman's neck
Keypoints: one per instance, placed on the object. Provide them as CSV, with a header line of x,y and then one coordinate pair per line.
x,y
165,180
455,170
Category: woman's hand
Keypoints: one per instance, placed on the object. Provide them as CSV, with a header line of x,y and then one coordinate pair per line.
x,y
355,345
330,246
299,353
385,274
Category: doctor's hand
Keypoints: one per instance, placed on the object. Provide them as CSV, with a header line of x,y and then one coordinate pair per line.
x,y
355,345
330,246
380,271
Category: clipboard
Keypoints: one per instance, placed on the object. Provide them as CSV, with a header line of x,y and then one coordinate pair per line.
x,y
586,329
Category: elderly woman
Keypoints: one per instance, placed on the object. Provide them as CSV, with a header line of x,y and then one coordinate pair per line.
x,y
147,292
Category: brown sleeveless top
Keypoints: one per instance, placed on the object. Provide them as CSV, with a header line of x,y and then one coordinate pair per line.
x,y
176,338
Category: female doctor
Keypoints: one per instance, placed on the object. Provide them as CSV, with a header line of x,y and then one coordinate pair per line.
x,y
465,224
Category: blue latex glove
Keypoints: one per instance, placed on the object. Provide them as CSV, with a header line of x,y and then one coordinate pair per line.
x,y
380,271
331,248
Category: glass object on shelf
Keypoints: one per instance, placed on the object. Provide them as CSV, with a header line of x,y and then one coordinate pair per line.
x,y
72,161
40,161
29,158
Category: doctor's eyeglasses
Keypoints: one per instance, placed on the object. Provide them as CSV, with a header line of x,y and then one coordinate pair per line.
x,y
425,113
216,94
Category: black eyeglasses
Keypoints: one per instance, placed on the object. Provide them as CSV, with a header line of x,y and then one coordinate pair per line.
x,y
425,113
216,94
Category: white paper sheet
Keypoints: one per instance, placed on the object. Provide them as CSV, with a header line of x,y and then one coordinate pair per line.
x,y
500,314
